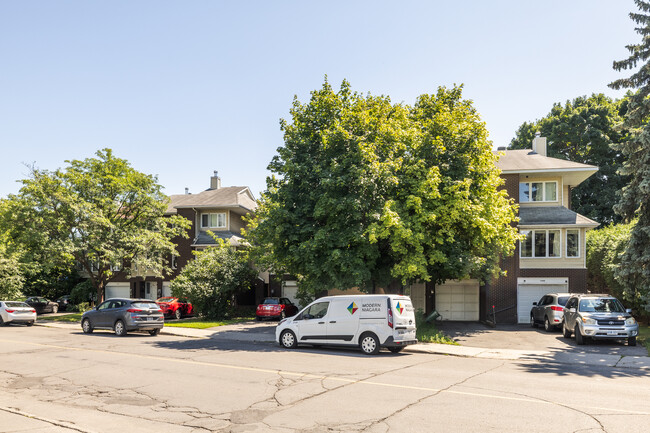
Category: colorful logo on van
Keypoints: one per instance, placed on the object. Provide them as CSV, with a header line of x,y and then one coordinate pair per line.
x,y
352,308
399,307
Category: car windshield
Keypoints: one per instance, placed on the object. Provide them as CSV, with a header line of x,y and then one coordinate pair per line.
x,y
148,305
561,300
607,305
166,300
271,301
16,304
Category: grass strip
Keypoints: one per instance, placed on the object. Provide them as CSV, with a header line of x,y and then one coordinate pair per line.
x,y
204,324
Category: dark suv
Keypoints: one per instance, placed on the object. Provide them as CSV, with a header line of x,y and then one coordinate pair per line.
x,y
123,315
598,316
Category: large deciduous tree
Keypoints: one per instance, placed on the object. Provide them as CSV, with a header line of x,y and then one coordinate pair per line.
x,y
584,130
634,270
211,281
99,213
365,192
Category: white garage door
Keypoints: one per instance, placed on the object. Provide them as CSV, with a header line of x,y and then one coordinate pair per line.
x,y
458,300
531,290
290,290
118,290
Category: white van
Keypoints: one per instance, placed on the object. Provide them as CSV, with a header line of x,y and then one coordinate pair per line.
x,y
367,321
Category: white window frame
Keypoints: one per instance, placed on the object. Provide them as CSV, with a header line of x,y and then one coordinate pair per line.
x,y
533,256
210,226
566,245
557,195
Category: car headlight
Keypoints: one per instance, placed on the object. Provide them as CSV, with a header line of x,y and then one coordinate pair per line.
x,y
589,321
630,321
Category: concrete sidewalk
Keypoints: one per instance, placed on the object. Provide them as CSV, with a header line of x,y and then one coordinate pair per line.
x,y
262,332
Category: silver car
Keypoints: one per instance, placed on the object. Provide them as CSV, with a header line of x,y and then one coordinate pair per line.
x,y
16,312
598,316
549,311
124,315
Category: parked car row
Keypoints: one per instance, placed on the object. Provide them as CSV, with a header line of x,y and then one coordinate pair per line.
x,y
585,316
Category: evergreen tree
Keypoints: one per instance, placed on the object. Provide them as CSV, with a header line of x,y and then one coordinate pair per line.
x,y
634,270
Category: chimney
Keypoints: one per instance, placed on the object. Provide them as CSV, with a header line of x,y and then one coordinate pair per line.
x,y
215,181
539,144
187,191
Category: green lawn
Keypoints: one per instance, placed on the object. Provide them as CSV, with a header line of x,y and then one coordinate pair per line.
x,y
644,336
203,324
72,317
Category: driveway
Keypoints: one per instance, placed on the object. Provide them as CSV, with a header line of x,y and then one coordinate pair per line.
x,y
523,337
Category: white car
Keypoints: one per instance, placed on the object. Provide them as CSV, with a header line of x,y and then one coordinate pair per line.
x,y
365,321
16,312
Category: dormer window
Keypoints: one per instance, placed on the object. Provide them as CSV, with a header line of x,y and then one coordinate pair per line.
x,y
213,220
537,192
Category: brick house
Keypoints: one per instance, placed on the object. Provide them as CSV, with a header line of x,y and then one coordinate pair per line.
x,y
217,209
552,258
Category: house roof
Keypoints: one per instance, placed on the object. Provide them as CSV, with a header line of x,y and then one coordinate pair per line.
x,y
552,215
237,197
204,238
526,161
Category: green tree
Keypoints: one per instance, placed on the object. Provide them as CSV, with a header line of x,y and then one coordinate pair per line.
x,y
634,270
604,248
11,279
100,214
366,192
212,279
584,130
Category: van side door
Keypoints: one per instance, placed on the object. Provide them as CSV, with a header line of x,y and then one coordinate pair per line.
x,y
342,321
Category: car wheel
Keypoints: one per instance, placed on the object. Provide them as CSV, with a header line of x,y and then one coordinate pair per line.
x,y
532,321
566,332
55,309
547,325
154,332
631,341
120,328
395,349
288,339
258,318
580,340
2,322
30,323
178,314
369,343
86,327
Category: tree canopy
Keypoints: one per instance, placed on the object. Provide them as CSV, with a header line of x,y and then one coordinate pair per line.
x,y
365,191
634,270
584,130
100,214
211,280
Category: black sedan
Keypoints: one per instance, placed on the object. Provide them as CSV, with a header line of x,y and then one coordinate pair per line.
x,y
64,302
42,305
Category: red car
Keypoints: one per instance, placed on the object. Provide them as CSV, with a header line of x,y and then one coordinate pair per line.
x,y
276,308
175,307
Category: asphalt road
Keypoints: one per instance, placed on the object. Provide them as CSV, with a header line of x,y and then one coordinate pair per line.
x,y
62,380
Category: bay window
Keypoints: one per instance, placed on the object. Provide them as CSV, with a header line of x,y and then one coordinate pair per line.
x,y
573,243
540,244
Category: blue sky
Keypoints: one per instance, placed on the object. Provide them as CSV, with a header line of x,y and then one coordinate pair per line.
x,y
182,88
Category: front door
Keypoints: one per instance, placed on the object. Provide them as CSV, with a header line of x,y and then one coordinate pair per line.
x,y
312,323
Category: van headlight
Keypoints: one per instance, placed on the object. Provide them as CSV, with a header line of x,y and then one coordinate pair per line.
x,y
589,321
630,321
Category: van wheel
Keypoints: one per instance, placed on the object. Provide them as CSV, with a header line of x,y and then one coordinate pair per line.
x,y
288,339
369,343
395,349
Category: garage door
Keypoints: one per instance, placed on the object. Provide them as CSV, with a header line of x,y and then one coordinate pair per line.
x,y
458,300
290,290
530,290
118,290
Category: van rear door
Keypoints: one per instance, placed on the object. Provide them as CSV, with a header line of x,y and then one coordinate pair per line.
x,y
403,318
342,320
